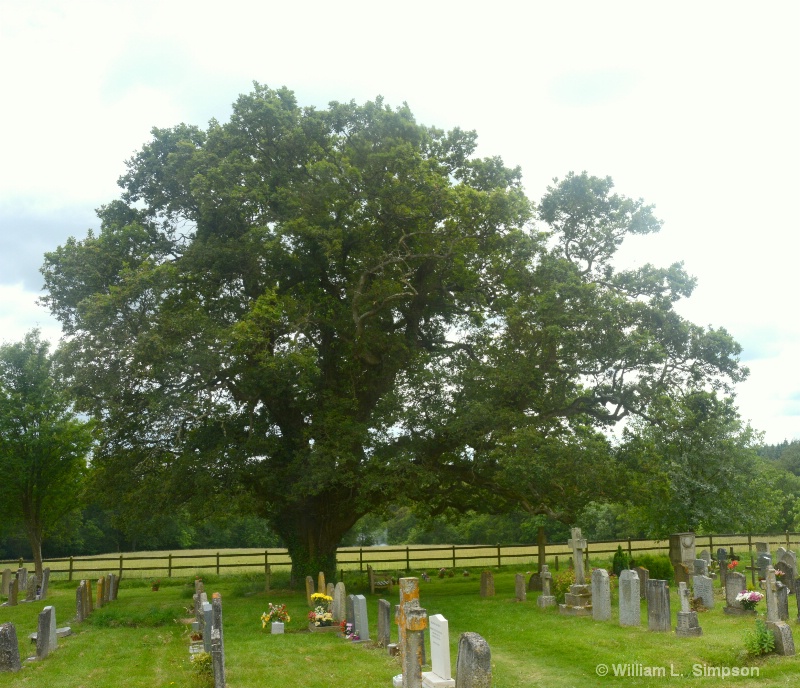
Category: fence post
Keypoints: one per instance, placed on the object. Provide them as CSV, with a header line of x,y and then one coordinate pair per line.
x,y
267,572
70,568
498,554
556,562
408,560
787,539
454,556
360,558
750,546
120,567
217,563
630,549
21,563
169,566
711,546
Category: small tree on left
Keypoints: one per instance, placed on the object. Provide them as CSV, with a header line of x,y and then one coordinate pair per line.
x,y
43,444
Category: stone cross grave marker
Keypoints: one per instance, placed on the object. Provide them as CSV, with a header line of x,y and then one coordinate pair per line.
x,y
630,609
440,675
682,555
601,595
46,638
546,599
217,641
578,546
688,625
772,597
474,662
338,608
362,622
384,623
658,610
519,588
487,584
9,648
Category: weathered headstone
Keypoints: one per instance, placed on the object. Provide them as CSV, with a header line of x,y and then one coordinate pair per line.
x,y
644,576
79,603
45,585
217,641
688,625
781,631
208,622
578,545
114,587
700,567
782,593
474,662
350,612
362,622
519,588
487,584
13,593
46,638
33,584
412,620
5,582
9,648
682,555
630,610
704,589
440,674
658,610
535,582
735,583
310,591
763,559
384,623
321,587
101,595
601,595
87,598
22,577
330,589
338,608
106,589
546,599
705,555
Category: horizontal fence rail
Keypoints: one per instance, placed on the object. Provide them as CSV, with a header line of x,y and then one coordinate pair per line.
x,y
405,558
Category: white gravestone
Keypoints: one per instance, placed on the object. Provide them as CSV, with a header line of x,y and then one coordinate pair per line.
x,y
440,674
630,610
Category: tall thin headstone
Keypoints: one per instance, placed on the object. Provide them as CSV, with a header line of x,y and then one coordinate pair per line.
x,y
33,584
474,662
350,617
5,582
22,576
338,608
601,595
487,584
217,641
321,587
644,576
362,621
113,583
519,588
208,622
9,648
688,625
13,593
330,589
384,623
45,586
106,589
781,631
782,593
658,610
310,591
79,603
46,638
630,609
411,622
440,674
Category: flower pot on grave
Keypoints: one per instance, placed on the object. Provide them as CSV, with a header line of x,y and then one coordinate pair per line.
x,y
277,627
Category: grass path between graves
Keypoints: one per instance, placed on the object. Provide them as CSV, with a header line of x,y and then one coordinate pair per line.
x,y
140,641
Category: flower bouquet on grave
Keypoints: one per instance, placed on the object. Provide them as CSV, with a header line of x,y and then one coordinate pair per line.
x,y
733,564
277,614
749,599
321,614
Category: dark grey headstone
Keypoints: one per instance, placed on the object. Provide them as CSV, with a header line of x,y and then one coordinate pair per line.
x,y
783,601
45,583
13,593
217,641
46,639
658,609
384,623
644,576
33,584
9,648
5,582
474,663
362,622
782,632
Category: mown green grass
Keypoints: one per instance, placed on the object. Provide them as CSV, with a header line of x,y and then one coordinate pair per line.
x,y
140,640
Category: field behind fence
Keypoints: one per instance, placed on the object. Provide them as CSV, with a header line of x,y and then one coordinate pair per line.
x,y
383,558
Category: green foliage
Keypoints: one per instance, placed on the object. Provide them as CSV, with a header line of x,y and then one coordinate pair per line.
x,y
659,565
759,641
620,562
562,580
203,665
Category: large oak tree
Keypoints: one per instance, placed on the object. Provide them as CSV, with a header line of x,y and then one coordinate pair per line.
x,y
319,311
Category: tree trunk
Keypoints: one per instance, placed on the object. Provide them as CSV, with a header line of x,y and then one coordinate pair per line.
x,y
312,532
35,541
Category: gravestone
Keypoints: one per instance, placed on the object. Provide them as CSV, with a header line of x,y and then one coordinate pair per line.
x,y
658,610
487,584
722,563
630,610
338,608
5,582
384,623
688,625
578,601
329,590
781,631
601,595
208,622
546,599
13,593
310,591
763,559
106,589
440,675
734,584
79,603
644,576
22,577
350,612
700,567
362,623
321,586
217,641
87,598
412,620
9,648
705,555
33,584
46,639
519,588
535,582
45,586
782,593
474,662
114,587
682,555
704,589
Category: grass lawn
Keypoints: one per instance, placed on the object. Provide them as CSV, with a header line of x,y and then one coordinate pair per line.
x,y
140,641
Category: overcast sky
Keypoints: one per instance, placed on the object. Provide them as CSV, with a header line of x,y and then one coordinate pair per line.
x,y
694,107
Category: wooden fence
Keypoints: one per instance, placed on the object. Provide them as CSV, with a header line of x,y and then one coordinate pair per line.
x,y
405,558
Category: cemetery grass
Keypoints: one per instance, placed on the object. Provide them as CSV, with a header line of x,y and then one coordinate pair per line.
x,y
142,640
